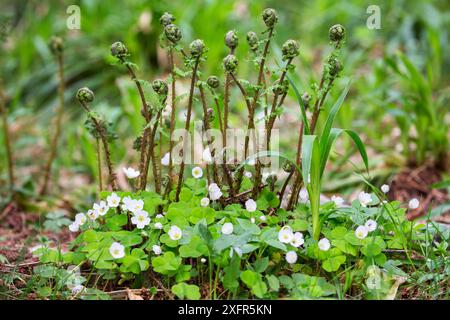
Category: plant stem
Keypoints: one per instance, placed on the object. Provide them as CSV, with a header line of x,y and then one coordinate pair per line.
x,y
147,116
8,148
186,127
99,166
258,176
101,132
59,116
172,115
206,127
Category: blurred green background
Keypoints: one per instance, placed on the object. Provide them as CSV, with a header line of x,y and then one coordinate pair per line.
x,y
417,28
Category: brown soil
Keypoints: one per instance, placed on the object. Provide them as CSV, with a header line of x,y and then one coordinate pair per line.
x,y
416,183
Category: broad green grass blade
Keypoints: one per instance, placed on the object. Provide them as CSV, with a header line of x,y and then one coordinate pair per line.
x,y
334,134
331,116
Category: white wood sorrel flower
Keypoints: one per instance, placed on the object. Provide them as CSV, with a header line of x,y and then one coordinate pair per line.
x,y
113,200
197,172
227,228
371,225
291,257
361,232
204,202
385,188
101,208
338,201
364,198
80,218
250,205
175,233
131,173
324,244
298,240
140,219
156,249
117,250
285,235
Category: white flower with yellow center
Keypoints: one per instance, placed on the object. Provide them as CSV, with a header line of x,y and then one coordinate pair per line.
x,y
324,244
130,173
101,208
338,201
74,227
140,219
156,249
197,172
165,160
227,228
298,240
285,235
113,200
385,188
204,202
364,198
413,204
175,233
135,205
80,218
371,225
361,232
250,205
92,214
117,250
291,257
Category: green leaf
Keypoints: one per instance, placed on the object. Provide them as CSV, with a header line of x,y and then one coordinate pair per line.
x,y
301,104
115,223
167,263
274,284
189,291
232,272
261,264
333,263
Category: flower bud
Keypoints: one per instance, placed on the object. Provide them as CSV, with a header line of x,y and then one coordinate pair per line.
x,y
306,98
290,49
230,63
270,17
213,82
160,87
166,19
172,32
336,33
335,66
210,114
231,39
119,50
280,88
196,47
56,45
288,167
85,95
252,40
